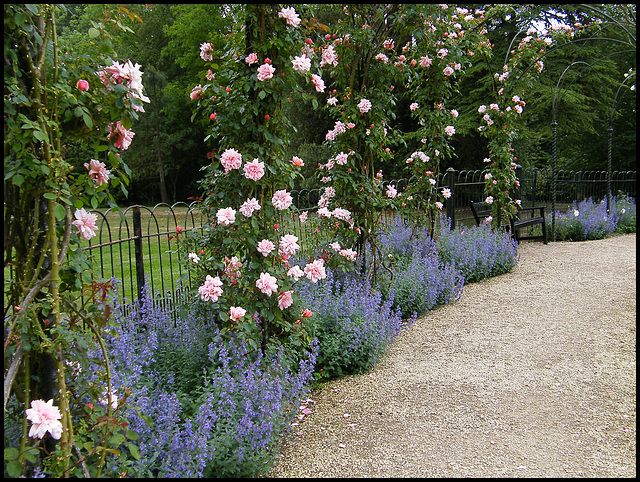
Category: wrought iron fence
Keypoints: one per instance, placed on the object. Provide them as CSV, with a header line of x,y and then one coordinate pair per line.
x,y
138,246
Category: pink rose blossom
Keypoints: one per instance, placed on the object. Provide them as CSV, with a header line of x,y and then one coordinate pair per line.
x,y
285,300
82,85
211,290
206,51
254,170
295,272
97,171
329,57
226,216
267,284
196,92
391,191
318,82
489,200
231,159
281,200
235,313
290,15
122,136
249,206
350,254
425,61
315,271
364,105
86,223
252,58
413,106
482,109
265,72
446,193
454,113
301,63
45,418
288,245
296,161
265,247
447,71
439,205
450,130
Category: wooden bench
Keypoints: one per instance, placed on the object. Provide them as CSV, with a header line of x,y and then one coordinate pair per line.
x,y
482,210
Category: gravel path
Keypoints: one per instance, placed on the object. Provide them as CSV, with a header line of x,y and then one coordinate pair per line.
x,y
529,374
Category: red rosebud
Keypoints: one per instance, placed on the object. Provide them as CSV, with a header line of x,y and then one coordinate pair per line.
x,y
213,116
178,229
267,117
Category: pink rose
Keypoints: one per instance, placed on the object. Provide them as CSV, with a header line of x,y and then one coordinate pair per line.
x,y
231,159
281,200
267,284
45,418
211,290
226,216
235,313
265,247
315,271
288,245
254,170
97,171
86,223
285,300
82,85
265,72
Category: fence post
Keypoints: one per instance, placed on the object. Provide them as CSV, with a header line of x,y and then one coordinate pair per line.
x,y
137,242
450,203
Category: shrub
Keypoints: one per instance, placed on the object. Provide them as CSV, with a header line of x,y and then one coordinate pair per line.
x,y
585,221
201,407
625,207
352,323
477,251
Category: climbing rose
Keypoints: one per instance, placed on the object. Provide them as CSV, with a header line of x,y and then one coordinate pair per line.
x,y
211,290
413,106
97,171
391,191
226,216
45,418
281,200
285,300
265,247
295,272
318,82
206,51
301,63
252,58
288,245
446,193
364,105
231,159
329,57
123,137
249,206
315,271
290,15
267,284
236,312
86,223
296,161
450,130
265,71
254,170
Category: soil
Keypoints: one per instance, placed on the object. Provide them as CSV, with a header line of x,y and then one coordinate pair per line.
x,y
530,374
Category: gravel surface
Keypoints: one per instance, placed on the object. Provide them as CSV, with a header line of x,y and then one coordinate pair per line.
x,y
529,374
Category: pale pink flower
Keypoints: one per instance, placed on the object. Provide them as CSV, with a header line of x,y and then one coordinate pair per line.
x,y
254,170
350,254
267,284
488,219
265,247
301,63
446,193
295,272
45,418
332,101
196,92
281,199
194,257
413,106
391,191
342,214
122,136
86,223
450,130
231,159
442,53
288,244
383,58
249,206
315,271
97,171
265,72
211,290
482,109
296,161
285,300
342,158
317,82
206,51
494,107
425,61
252,58
439,205
290,15
447,71
454,113
489,200
364,106
235,313
335,246
329,57
303,216
226,216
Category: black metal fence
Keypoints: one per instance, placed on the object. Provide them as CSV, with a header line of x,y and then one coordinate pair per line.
x,y
139,245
